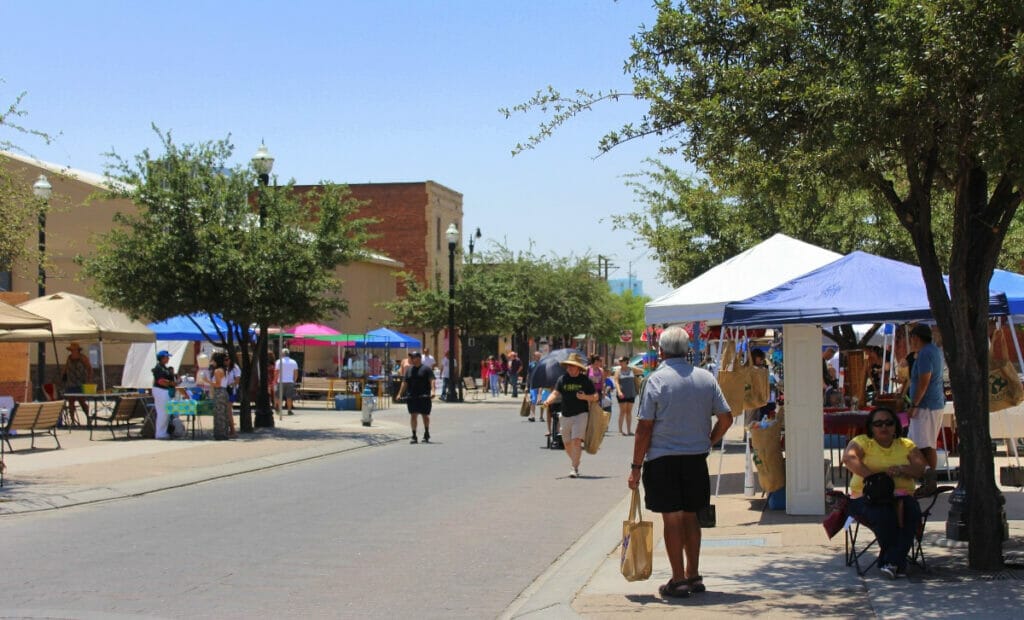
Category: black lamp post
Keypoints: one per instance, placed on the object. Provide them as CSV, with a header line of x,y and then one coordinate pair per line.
x,y
263,163
472,238
42,190
452,234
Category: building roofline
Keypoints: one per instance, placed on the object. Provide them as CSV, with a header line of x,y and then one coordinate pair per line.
x,y
93,179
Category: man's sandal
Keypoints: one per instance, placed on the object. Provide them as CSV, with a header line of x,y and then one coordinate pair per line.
x,y
696,584
674,589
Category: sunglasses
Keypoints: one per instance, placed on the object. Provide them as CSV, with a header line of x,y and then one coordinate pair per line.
x,y
881,423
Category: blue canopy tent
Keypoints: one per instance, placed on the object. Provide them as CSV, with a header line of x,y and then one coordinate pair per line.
x,y
858,288
1012,284
188,327
384,337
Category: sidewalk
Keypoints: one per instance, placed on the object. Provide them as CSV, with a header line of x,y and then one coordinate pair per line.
x,y
770,564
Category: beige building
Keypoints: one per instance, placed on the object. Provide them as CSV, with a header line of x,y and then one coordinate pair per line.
x,y
77,214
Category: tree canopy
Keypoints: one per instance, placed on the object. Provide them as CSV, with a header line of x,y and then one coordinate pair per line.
x,y
206,240
915,103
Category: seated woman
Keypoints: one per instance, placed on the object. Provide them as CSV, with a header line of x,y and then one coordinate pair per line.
x,y
882,449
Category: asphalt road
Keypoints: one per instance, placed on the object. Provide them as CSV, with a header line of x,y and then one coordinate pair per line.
x,y
452,529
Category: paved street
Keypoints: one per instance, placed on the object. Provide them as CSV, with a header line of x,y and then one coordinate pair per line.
x,y
455,528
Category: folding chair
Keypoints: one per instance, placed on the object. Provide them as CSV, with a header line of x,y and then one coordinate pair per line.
x,y
916,555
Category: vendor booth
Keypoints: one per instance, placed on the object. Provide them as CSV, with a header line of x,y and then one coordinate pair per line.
x,y
857,288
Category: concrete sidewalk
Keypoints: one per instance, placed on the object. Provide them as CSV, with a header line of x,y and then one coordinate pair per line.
x,y
770,564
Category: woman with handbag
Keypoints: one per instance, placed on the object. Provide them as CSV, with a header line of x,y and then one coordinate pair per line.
x,y
885,467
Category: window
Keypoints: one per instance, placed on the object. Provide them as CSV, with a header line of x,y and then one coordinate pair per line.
x,y
438,234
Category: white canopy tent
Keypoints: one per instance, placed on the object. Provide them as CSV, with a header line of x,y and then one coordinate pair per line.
x,y
141,359
772,262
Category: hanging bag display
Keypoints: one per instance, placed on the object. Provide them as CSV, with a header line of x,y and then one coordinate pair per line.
x,y
637,558
1005,389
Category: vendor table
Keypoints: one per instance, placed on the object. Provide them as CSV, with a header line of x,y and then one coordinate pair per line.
x,y
190,410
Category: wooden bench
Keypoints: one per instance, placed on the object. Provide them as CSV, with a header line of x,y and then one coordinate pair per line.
x,y
34,417
318,385
126,409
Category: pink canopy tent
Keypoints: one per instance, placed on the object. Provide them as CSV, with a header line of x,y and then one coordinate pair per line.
x,y
301,335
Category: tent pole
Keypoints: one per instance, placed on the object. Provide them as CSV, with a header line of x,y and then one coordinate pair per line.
x,y
103,367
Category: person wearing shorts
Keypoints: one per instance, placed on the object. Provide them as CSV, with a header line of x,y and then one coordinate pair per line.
x,y
287,371
674,435
624,379
927,399
418,384
577,392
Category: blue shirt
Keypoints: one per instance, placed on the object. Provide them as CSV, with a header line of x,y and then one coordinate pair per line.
x,y
680,399
929,359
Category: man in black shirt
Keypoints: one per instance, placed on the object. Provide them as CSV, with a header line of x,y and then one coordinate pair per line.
x,y
418,383
577,391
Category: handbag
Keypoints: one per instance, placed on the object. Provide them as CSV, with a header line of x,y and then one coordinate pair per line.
x,y
835,519
1005,389
597,425
879,489
637,558
707,517
524,409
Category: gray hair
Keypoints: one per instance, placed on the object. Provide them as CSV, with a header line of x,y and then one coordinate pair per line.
x,y
674,341
284,352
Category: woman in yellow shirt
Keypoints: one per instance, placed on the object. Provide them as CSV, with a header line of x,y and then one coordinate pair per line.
x,y
881,449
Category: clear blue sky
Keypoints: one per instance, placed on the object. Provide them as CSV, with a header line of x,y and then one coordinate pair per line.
x,y
352,92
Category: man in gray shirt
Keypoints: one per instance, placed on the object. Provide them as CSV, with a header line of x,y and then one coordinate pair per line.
x,y
674,435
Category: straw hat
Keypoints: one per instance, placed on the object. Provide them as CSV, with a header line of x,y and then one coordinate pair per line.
x,y
574,359
74,346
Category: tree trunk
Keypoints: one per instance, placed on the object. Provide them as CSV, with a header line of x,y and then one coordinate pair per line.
x,y
963,320
264,413
244,395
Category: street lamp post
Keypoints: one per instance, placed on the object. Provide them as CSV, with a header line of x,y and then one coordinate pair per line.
x,y
42,190
263,163
452,234
472,238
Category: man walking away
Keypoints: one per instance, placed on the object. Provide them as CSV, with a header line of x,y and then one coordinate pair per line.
x,y
673,438
515,368
418,383
288,374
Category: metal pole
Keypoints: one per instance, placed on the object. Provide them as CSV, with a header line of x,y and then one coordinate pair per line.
x,y
41,353
452,357
264,412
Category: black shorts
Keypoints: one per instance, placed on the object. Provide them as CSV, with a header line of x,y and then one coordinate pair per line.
x,y
418,404
626,400
678,482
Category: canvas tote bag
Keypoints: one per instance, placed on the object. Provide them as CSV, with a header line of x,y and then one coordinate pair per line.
x,y
1005,389
524,409
744,385
637,543
597,424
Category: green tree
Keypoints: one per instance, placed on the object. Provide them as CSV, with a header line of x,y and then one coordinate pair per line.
x,y
196,245
909,100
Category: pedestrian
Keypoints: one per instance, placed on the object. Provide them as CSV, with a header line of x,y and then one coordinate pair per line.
x,y
287,376
624,379
418,384
77,372
446,383
577,392
503,374
927,399
203,377
515,368
493,374
428,359
220,380
674,435
535,397
164,386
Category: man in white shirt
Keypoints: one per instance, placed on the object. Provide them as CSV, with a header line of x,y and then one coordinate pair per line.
x,y
287,375
428,359
446,383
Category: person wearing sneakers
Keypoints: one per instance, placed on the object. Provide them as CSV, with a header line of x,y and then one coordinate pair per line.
x,y
673,438
287,371
577,391
418,384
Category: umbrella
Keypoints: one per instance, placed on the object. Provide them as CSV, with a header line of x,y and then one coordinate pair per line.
x,y
549,368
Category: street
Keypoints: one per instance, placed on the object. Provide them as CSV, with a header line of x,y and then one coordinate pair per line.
x,y
452,529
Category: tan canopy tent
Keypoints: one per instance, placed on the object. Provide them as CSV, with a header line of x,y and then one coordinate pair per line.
x,y
14,318
74,317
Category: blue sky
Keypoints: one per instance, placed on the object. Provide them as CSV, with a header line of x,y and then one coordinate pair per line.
x,y
352,92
